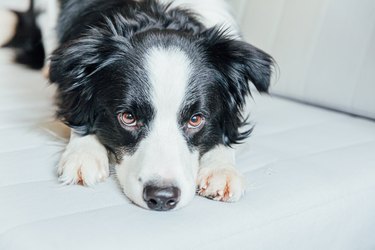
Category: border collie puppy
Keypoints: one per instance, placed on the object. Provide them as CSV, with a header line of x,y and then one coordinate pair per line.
x,y
159,87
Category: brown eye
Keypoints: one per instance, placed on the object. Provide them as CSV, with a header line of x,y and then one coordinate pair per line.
x,y
196,121
127,119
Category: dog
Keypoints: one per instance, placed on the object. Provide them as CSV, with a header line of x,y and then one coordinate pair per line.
x,y
157,86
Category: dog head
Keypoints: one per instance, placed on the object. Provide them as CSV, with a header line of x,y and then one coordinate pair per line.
x,y
158,100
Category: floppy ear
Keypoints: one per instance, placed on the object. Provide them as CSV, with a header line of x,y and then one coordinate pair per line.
x,y
239,60
69,68
236,63
72,69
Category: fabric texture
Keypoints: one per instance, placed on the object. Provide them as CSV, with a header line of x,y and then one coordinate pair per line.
x,y
310,183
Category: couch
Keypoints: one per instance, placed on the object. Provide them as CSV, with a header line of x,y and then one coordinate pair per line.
x,y
309,164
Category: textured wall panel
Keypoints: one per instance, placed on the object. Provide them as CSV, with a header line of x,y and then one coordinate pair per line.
x,y
325,49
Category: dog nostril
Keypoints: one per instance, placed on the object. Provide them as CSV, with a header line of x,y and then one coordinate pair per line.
x,y
152,203
171,203
161,198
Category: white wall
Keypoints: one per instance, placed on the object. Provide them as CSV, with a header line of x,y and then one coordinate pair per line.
x,y
325,48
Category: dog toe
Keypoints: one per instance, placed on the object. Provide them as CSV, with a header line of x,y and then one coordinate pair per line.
x,y
223,184
83,168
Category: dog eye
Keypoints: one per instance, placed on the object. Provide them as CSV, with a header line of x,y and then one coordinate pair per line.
x,y
196,121
127,119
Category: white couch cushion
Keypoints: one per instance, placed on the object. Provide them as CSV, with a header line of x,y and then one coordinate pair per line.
x,y
325,49
310,183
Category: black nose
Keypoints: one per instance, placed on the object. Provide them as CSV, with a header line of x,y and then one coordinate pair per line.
x,y
161,198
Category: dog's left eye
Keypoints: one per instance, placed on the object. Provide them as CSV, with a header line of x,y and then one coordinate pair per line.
x,y
127,119
196,121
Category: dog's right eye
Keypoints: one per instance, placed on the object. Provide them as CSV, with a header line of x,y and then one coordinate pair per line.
x,y
127,119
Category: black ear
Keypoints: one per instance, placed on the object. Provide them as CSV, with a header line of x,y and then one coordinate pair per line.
x,y
238,60
73,69
236,63
69,69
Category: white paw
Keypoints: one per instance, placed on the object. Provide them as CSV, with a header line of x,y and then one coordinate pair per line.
x,y
221,184
83,163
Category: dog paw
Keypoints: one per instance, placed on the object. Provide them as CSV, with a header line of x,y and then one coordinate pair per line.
x,y
220,184
86,166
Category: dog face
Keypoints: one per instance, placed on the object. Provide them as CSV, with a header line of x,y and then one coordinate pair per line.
x,y
158,101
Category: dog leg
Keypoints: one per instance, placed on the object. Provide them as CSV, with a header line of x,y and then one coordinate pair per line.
x,y
8,24
217,177
84,161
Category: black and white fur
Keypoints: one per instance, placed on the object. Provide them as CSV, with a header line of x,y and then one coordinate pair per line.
x,y
166,65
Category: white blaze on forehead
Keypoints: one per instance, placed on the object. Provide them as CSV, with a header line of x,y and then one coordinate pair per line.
x,y
169,73
163,157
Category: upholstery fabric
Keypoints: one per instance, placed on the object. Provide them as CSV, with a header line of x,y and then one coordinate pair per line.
x,y
310,184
